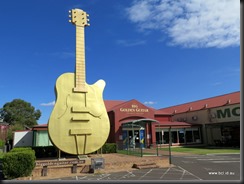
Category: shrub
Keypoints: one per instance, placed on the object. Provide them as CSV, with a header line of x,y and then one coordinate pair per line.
x,y
2,143
1,155
45,151
19,162
20,149
109,148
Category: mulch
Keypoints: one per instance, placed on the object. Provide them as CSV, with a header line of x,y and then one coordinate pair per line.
x,y
114,162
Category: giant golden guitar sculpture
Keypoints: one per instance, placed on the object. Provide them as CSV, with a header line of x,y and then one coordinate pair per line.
x,y
79,122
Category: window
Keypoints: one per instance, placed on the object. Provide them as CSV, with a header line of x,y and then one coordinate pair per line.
x,y
181,135
159,138
174,136
166,138
42,138
193,135
196,136
188,136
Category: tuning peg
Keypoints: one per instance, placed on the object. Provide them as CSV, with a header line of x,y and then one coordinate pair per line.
x,y
88,24
87,15
88,20
70,15
70,11
70,21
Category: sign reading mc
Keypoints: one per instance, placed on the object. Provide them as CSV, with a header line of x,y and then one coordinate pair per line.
x,y
225,114
228,112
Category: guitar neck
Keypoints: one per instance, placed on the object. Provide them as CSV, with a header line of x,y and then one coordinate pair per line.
x,y
80,68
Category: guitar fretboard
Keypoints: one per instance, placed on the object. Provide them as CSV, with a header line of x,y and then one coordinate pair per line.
x,y
80,69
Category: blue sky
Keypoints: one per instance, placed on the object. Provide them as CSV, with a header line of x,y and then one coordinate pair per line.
x,y
160,52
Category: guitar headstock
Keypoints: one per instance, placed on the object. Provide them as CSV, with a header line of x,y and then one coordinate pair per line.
x,y
79,17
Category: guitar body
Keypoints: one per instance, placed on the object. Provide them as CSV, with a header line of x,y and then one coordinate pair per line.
x,y
79,123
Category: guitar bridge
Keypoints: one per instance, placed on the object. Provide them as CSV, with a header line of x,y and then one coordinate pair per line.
x,y
80,118
87,131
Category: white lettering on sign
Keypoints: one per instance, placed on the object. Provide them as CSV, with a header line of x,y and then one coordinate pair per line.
x,y
134,109
57,163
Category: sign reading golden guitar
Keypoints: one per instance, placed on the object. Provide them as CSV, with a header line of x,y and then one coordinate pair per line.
x,y
134,108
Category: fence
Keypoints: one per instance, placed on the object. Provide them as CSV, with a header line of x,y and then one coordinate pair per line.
x,y
143,150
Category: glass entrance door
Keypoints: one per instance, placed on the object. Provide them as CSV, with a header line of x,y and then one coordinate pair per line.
x,y
134,138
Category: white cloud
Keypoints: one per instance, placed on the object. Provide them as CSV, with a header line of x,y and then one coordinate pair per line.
x,y
149,103
191,23
48,104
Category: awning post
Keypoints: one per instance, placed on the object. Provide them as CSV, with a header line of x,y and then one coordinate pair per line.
x,y
170,142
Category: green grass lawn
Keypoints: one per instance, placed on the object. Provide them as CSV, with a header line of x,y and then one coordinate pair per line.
x,y
136,152
203,150
190,150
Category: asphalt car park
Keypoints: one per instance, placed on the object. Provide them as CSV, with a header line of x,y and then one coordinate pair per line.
x,y
212,166
221,167
172,173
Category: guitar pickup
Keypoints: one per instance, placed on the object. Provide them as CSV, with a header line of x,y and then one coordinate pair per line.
x,y
78,117
81,131
80,109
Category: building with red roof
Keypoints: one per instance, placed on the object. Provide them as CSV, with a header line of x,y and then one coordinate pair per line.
x,y
211,121
218,118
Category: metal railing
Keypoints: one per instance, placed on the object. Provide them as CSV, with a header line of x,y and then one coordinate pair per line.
x,y
137,149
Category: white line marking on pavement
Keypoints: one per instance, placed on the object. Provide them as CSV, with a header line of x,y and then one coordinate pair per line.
x,y
129,174
80,178
217,159
103,176
194,157
165,173
220,162
183,174
189,173
223,154
145,174
187,162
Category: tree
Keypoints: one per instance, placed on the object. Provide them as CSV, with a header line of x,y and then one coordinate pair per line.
x,y
20,112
